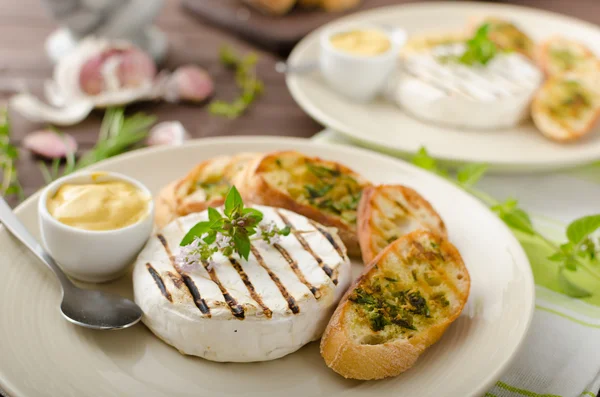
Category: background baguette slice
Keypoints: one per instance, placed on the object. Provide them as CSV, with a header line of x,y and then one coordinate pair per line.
x,y
204,186
324,191
567,106
401,304
273,7
559,55
388,212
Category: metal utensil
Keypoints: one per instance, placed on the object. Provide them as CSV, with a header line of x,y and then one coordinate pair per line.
x,y
87,308
285,68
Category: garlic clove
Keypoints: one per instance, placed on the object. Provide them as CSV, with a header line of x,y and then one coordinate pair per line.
x,y
167,133
136,68
188,83
49,144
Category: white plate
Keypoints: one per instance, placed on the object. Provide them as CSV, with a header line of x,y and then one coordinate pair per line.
x,y
41,354
382,124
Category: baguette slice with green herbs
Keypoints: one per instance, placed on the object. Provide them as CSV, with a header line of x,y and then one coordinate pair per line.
x,y
204,186
558,55
401,304
388,212
567,106
324,191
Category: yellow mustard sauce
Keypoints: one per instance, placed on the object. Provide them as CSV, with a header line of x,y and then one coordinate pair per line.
x,y
361,42
99,206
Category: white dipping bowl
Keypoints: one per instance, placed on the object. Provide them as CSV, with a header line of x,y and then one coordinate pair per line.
x,y
93,256
359,77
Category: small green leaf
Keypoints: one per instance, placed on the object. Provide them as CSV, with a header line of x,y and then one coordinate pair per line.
x,y
213,214
514,217
423,160
285,231
569,287
253,213
242,245
579,229
571,263
470,174
196,231
233,202
211,238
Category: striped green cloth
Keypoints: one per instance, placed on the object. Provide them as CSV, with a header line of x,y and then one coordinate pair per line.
x,y
561,354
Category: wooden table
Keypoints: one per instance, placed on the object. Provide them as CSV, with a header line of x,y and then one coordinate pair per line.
x,y
24,25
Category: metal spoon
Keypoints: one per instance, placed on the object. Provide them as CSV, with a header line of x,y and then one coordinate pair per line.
x,y
87,308
285,68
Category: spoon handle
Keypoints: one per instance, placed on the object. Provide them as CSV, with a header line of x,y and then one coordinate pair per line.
x,y
13,225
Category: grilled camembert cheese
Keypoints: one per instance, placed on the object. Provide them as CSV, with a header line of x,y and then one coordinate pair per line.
x,y
241,311
435,88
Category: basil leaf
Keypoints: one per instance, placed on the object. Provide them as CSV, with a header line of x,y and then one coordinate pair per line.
x,y
211,238
213,214
196,231
569,287
233,202
242,245
254,214
470,174
579,229
514,217
557,257
423,160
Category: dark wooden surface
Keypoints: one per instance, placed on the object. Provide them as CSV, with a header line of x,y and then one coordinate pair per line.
x,y
24,25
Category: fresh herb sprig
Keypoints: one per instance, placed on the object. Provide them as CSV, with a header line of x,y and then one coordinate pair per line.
x,y
480,49
9,154
231,231
246,79
582,249
118,133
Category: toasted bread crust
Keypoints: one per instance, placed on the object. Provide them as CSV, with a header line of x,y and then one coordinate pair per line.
x,y
174,201
255,187
368,211
565,130
544,59
355,360
274,7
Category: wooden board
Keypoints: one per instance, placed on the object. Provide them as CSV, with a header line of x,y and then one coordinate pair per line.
x,y
278,34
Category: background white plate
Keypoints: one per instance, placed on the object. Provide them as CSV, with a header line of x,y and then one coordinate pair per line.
x,y
43,355
384,125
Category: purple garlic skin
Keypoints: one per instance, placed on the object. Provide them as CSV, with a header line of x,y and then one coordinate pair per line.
x,y
127,68
49,144
189,83
167,133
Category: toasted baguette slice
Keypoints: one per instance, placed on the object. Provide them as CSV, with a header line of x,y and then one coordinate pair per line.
x,y
324,191
388,212
558,55
400,305
505,34
567,106
204,186
273,7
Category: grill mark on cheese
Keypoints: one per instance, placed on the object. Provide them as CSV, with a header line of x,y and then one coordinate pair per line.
x,y
294,266
286,295
236,309
330,273
268,313
200,303
159,282
189,283
176,279
329,238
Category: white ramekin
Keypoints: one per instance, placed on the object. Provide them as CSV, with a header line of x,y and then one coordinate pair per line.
x,y
93,256
357,77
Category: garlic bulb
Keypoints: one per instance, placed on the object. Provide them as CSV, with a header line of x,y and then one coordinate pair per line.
x,y
114,69
49,144
167,133
189,83
98,73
